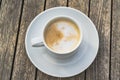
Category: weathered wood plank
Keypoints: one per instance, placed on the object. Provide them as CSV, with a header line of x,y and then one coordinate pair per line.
x,y
23,68
115,46
100,11
80,76
9,20
82,5
55,3
50,4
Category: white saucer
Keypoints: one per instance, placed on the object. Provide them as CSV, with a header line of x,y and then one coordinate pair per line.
x,y
52,65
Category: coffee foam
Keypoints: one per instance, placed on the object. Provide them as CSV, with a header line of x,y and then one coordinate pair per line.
x,y
70,36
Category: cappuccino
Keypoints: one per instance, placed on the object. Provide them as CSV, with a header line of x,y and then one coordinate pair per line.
x,y
62,35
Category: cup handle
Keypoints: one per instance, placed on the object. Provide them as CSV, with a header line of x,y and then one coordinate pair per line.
x,y
37,42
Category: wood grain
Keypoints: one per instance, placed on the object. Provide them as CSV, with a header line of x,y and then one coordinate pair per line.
x,y
14,63
23,68
9,20
82,5
100,11
115,42
55,3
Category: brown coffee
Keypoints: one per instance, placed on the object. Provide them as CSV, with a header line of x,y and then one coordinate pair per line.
x,y
62,35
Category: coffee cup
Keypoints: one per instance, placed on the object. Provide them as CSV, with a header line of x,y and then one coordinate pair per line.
x,y
61,35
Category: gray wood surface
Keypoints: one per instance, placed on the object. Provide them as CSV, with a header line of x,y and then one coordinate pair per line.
x,y
55,3
9,20
82,5
16,15
115,42
100,12
23,68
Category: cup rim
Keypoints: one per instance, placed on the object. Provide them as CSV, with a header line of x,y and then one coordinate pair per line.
x,y
68,17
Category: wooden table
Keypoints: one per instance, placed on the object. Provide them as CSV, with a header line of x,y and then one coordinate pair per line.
x,y
16,15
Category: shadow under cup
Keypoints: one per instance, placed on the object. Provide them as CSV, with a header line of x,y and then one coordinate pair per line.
x,y
62,36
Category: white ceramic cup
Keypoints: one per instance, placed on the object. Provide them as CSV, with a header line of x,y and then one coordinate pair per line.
x,y
40,40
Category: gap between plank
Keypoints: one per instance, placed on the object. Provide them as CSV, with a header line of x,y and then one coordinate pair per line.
x,y
89,8
36,73
110,39
44,5
85,75
36,70
16,39
0,4
67,5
